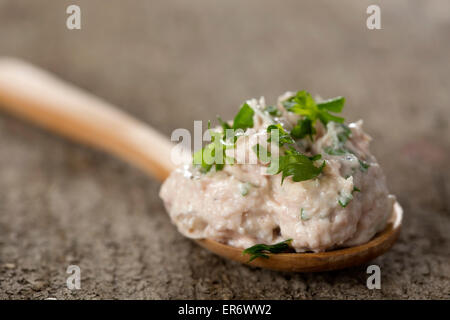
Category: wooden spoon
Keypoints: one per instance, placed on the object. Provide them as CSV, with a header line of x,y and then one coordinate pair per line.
x,y
37,96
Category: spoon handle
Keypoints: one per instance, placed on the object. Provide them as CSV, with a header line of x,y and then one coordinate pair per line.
x,y
35,95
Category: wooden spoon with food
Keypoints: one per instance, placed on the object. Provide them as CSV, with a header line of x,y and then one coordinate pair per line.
x,y
39,97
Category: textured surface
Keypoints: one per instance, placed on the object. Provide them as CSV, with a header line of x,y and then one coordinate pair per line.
x,y
170,63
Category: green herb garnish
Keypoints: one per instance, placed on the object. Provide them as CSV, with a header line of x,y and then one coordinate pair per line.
x,y
277,132
262,250
290,163
299,166
344,133
334,105
245,188
213,154
303,104
303,128
224,124
363,165
338,148
244,119
345,201
303,215
335,151
315,157
273,111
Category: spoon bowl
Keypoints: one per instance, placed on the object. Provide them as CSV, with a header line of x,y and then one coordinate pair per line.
x,y
37,96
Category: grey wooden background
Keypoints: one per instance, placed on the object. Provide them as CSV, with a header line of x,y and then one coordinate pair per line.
x,y
172,62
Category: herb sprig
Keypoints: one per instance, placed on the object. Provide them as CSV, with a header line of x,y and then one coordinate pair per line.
x,y
205,157
303,104
277,131
291,163
297,165
262,250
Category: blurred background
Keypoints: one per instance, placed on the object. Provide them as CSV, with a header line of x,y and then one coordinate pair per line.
x,y
172,62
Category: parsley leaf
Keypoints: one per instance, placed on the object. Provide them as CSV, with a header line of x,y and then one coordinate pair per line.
x,y
199,160
213,154
299,166
277,131
303,128
315,157
334,104
261,250
338,148
303,104
224,124
273,111
244,119
295,164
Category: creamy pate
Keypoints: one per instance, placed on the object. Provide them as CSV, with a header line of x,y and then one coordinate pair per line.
x,y
242,205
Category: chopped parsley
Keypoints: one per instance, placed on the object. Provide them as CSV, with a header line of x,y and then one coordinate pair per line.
x,y
303,104
363,165
244,188
338,148
299,166
262,250
303,128
344,133
213,154
273,111
277,133
290,162
224,124
344,201
341,151
335,151
303,215
244,119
